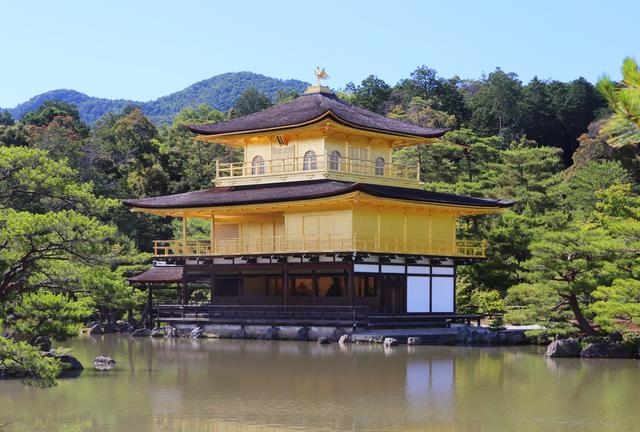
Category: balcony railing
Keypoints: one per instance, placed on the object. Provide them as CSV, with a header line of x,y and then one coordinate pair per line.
x,y
319,244
318,163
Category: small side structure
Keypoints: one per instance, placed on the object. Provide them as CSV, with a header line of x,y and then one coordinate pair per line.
x,y
315,226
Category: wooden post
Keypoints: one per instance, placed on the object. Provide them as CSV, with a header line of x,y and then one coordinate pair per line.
x,y
212,240
184,235
285,284
149,307
185,285
212,284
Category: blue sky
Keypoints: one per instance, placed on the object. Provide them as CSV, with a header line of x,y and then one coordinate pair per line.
x,y
141,50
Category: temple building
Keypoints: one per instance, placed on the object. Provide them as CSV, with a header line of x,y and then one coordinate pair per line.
x,y
316,223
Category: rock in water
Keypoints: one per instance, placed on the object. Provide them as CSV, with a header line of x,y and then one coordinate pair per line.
x,y
322,340
157,332
196,333
414,340
302,334
108,328
141,332
69,362
122,326
271,334
96,330
344,339
170,332
389,342
564,348
103,362
240,334
607,350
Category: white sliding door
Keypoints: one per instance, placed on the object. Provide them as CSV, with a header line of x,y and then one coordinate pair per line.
x,y
418,294
442,294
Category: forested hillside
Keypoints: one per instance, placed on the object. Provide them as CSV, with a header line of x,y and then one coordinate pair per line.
x,y
567,256
219,92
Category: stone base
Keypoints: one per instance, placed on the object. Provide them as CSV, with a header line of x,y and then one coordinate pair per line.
x,y
228,331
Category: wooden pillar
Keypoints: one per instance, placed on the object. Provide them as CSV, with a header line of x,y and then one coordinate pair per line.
x,y
185,233
149,307
185,286
212,240
285,284
350,285
212,284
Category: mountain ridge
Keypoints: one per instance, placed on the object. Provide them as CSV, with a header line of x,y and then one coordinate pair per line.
x,y
219,91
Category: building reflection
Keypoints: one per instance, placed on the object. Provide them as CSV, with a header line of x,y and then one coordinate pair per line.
x,y
248,385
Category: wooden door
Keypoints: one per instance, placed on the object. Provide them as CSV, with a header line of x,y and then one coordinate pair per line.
x,y
392,294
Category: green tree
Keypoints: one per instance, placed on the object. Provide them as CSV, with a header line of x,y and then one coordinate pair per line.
x,y
443,94
564,270
623,127
372,94
527,173
250,101
495,106
46,314
54,109
6,119
21,359
191,164
577,193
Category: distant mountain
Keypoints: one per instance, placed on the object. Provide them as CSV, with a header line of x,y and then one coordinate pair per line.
x,y
220,92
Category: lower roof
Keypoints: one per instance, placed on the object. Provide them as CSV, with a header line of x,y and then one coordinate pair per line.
x,y
159,275
304,190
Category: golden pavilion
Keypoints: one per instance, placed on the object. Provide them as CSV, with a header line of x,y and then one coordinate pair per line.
x,y
316,224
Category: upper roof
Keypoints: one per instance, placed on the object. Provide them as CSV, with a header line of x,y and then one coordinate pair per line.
x,y
304,190
313,108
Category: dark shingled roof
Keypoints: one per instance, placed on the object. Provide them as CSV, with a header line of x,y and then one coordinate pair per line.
x,y
303,190
315,107
159,275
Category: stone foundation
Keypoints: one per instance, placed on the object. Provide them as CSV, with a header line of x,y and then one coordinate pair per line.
x,y
228,331
459,335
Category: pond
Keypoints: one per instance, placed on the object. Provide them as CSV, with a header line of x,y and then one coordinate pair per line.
x,y
225,385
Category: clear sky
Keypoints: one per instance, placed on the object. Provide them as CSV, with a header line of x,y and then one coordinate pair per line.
x,y
138,49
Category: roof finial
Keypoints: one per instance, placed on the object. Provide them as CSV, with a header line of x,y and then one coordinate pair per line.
x,y
321,74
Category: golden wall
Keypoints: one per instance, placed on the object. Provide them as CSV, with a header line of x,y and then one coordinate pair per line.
x,y
362,227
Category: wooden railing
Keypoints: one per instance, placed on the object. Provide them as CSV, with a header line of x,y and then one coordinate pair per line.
x,y
258,313
320,162
320,243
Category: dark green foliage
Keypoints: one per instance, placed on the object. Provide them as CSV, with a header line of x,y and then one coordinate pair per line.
x,y
250,101
444,94
47,315
372,94
23,360
6,119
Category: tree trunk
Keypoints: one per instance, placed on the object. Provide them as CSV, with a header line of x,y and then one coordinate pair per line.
x,y
583,324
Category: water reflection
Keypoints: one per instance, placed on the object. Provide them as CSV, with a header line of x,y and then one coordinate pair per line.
x,y
186,385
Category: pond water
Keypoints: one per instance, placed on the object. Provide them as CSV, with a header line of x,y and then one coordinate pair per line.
x,y
225,385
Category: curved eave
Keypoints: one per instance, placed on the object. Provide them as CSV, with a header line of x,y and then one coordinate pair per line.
x,y
363,197
327,115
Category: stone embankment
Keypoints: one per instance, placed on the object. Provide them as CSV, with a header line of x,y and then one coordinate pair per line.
x,y
456,335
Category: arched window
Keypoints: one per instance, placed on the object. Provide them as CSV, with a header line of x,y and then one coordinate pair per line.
x,y
310,162
379,166
257,165
334,160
